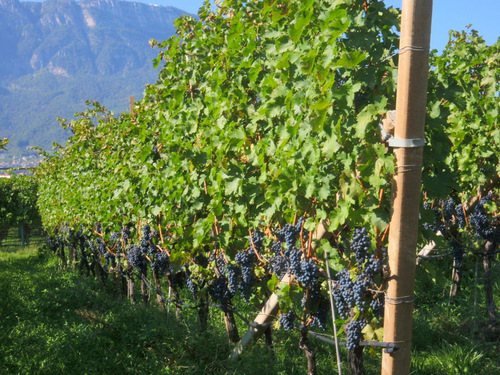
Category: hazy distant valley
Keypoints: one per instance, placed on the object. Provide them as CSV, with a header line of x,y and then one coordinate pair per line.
x,y
57,54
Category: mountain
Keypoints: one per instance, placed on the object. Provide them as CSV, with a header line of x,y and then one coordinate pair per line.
x,y
57,54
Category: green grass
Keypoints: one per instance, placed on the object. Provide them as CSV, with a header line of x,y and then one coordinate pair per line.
x,y
55,321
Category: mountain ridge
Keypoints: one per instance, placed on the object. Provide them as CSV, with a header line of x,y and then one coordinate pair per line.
x,y
57,54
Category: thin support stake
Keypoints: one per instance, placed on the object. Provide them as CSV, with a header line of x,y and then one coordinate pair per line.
x,y
332,306
476,272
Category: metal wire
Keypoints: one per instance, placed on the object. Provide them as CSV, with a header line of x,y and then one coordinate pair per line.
x,y
399,300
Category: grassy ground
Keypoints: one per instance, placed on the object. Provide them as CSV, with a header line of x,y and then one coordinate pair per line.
x,y
55,321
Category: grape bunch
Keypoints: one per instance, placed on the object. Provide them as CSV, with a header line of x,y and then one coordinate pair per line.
x,y
257,238
354,328
146,233
192,286
221,263
201,260
287,320
359,290
360,244
276,248
294,255
247,260
218,289
448,209
289,233
459,212
125,234
114,237
377,305
161,262
481,221
320,319
155,235
98,227
373,265
437,225
279,265
344,297
101,247
233,273
312,296
308,272
147,245
136,259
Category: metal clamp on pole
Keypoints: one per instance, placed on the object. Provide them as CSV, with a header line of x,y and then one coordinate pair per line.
x,y
406,143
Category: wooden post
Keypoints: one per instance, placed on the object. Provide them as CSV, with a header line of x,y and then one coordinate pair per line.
x,y
131,103
411,101
266,316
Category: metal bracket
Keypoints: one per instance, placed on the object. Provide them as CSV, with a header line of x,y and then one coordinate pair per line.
x,y
406,143
391,348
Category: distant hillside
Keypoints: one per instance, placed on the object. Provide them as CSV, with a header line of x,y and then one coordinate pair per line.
x,y
58,53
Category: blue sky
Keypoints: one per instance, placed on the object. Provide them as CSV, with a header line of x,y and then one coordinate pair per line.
x,y
484,15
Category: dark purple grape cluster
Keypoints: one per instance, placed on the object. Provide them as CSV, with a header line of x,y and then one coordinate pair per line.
x,y
308,272
201,260
459,212
221,263
448,209
146,232
359,290
289,233
98,227
360,244
161,262
136,259
279,265
53,243
101,247
115,237
354,328
257,238
247,260
218,289
295,256
287,320
377,305
373,265
125,234
192,286
480,219
437,225
155,235
147,245
344,297
233,274
312,296
245,289
320,319
276,248
81,238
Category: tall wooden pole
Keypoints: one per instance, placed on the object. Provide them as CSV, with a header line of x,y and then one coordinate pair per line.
x,y
411,101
